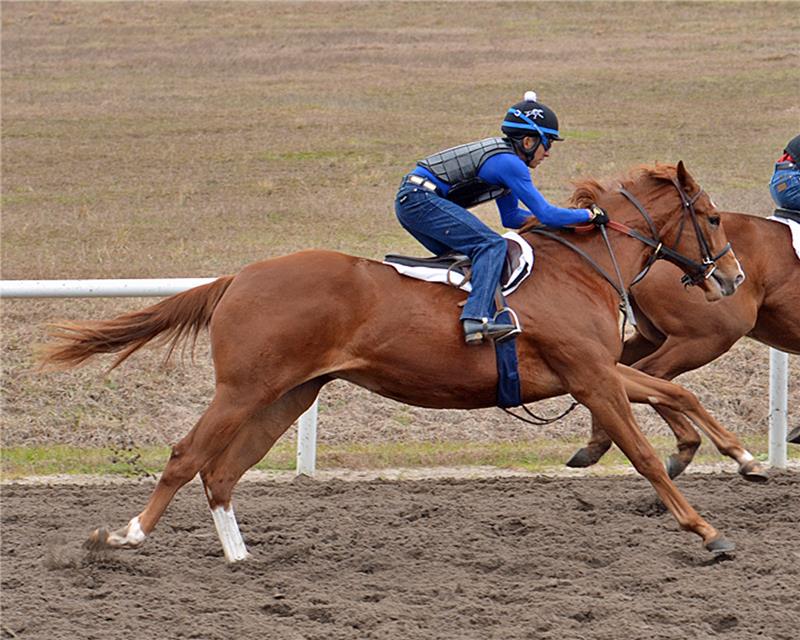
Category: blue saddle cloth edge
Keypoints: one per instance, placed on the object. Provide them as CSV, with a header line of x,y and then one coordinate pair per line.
x,y
509,391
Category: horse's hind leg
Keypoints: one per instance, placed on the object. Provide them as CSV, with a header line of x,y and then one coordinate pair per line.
x,y
603,393
251,443
213,432
672,400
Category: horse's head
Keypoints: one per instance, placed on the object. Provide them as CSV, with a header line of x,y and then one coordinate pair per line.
x,y
665,208
697,234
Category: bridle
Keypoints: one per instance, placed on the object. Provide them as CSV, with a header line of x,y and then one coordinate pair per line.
x,y
694,272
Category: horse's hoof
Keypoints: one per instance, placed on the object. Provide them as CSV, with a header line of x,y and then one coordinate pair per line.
x,y
794,436
581,459
720,546
753,472
675,466
98,539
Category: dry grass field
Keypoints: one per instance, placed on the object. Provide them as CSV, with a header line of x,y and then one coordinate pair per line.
x,y
189,139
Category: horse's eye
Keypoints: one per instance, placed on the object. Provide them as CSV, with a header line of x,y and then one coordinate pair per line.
x,y
714,220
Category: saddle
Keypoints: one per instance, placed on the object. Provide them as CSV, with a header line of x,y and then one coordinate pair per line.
x,y
791,218
455,269
789,214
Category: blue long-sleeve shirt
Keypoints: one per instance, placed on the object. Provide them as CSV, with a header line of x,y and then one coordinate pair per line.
x,y
507,170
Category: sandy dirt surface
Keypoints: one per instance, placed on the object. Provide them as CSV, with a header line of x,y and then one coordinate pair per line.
x,y
540,557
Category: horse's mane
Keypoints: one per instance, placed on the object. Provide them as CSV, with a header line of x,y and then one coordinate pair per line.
x,y
589,190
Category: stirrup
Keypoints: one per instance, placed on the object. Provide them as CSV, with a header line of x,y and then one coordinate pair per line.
x,y
484,330
514,320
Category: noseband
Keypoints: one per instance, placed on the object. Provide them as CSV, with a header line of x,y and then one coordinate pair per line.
x,y
694,272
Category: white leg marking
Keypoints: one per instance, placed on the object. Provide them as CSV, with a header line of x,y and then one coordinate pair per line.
x,y
746,457
130,537
229,534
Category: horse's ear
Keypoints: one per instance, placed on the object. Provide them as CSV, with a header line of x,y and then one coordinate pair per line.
x,y
684,179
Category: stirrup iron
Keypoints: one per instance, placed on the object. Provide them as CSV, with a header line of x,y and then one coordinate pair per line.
x,y
514,321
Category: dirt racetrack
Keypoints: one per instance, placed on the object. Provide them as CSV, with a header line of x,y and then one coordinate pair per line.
x,y
493,558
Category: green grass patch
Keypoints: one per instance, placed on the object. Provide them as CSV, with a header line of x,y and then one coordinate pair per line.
x,y
530,455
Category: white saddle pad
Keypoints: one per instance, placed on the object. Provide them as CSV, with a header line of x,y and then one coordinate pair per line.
x,y
795,228
455,279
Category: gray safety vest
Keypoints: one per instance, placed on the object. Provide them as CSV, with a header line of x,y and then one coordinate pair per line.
x,y
459,166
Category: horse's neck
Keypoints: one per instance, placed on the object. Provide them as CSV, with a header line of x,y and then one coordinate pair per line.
x,y
635,254
630,254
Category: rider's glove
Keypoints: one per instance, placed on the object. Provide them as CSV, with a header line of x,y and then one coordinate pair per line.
x,y
599,216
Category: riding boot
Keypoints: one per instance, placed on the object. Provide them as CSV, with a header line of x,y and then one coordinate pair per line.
x,y
476,331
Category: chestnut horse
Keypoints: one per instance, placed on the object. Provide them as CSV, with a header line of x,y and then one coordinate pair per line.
x,y
281,328
678,331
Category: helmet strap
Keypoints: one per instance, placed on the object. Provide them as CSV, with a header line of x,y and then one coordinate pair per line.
x,y
519,147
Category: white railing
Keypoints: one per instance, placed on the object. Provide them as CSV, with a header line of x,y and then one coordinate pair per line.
x,y
307,424
778,406
134,287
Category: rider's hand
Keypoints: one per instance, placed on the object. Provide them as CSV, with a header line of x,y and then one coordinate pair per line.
x,y
599,216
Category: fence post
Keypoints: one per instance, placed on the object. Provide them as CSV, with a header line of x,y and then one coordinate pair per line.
x,y
307,441
778,406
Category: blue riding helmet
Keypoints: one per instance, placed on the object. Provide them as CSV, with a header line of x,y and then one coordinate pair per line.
x,y
531,118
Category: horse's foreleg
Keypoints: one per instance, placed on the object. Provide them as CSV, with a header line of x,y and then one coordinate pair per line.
x,y
604,395
666,360
212,433
635,348
251,443
687,436
671,400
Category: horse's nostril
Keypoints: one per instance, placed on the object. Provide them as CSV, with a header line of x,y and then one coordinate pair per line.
x,y
739,279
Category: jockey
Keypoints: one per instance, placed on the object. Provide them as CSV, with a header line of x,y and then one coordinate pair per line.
x,y
785,183
433,199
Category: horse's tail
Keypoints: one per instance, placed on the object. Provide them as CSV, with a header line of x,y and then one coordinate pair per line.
x,y
172,320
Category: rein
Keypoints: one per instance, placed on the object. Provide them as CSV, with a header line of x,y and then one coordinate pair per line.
x,y
698,271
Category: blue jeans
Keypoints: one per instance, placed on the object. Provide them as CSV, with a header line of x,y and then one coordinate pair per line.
x,y
441,225
785,188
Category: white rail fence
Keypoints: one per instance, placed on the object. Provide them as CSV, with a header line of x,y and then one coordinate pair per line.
x,y
307,423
